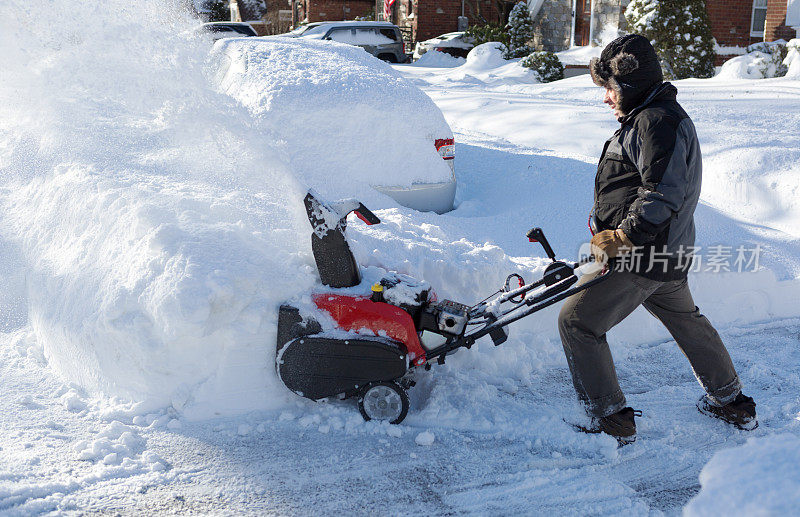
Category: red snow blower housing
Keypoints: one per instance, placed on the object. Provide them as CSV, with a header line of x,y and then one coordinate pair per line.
x,y
385,333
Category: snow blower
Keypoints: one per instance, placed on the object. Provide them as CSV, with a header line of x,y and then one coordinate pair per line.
x,y
385,332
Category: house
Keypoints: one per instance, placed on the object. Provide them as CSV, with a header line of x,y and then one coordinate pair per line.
x,y
735,24
559,24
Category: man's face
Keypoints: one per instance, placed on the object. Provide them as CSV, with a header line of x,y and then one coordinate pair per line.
x,y
610,98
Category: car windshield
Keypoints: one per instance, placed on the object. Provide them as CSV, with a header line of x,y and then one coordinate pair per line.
x,y
236,29
302,29
316,31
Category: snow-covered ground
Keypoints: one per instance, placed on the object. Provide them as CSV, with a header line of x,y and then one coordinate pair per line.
x,y
150,228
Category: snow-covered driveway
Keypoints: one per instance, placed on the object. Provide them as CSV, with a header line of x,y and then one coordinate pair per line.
x,y
525,157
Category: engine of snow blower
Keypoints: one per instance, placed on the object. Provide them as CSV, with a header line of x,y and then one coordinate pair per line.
x,y
385,331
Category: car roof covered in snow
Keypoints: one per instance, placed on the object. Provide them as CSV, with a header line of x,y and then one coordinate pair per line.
x,y
348,116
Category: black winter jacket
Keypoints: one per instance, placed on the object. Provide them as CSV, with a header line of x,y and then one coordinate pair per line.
x,y
648,184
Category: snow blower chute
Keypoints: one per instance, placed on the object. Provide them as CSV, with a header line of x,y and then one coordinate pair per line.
x,y
386,331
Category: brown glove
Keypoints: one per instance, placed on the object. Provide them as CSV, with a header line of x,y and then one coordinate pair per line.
x,y
607,244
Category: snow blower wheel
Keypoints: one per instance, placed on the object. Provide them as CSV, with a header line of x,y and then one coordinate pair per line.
x,y
383,401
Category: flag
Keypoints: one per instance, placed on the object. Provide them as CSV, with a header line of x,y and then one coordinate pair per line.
x,y
387,10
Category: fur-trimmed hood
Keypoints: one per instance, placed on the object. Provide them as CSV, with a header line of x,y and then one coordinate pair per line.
x,y
628,65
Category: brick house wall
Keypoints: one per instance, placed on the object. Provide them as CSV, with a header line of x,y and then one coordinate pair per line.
x,y
730,21
776,18
435,17
335,10
426,19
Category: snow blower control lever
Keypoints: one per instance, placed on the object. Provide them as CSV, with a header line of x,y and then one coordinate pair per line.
x,y
537,235
379,341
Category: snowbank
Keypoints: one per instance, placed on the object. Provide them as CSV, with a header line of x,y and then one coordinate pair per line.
x,y
155,222
758,478
485,65
579,55
435,59
348,120
485,57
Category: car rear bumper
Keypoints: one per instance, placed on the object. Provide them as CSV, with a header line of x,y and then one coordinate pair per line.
x,y
425,197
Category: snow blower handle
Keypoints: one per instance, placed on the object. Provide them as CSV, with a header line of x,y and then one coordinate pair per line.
x,y
537,235
366,215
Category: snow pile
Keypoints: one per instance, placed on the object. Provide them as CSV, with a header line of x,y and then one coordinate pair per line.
x,y
425,439
155,222
436,59
119,444
485,57
485,65
348,119
758,478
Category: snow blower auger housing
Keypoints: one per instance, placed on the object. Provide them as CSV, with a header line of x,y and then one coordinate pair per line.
x,y
385,332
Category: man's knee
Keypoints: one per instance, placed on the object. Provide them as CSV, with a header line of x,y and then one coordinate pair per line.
x,y
566,316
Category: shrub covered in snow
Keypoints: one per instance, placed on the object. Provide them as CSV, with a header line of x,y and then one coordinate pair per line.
x,y
546,65
680,32
774,54
762,61
520,32
792,60
481,34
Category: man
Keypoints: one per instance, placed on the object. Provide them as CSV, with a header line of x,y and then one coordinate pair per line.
x,y
646,191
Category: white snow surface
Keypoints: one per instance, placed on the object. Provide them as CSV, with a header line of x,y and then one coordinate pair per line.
x,y
436,59
579,55
757,478
329,103
151,226
485,66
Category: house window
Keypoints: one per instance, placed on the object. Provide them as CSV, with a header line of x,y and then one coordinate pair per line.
x,y
759,18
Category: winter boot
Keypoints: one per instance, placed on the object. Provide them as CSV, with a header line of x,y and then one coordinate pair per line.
x,y
740,412
620,425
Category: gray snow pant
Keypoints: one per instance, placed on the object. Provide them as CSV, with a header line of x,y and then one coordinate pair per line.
x,y
586,317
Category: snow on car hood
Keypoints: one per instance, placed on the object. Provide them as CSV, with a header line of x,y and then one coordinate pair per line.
x,y
348,120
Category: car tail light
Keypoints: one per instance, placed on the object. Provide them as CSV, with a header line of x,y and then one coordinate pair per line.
x,y
447,150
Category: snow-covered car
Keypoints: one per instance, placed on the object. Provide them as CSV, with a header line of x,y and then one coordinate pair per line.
x,y
457,44
381,39
350,121
219,30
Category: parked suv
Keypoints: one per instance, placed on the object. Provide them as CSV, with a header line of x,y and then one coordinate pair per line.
x,y
381,39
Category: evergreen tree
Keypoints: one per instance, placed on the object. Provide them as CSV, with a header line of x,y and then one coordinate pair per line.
x,y
680,32
545,65
480,34
520,32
